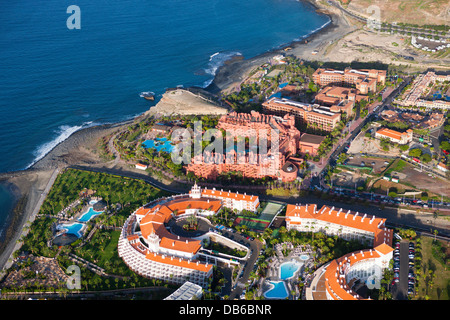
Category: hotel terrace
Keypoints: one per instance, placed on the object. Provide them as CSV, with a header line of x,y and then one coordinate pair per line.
x,y
416,120
276,163
340,99
310,114
152,251
365,80
335,280
413,97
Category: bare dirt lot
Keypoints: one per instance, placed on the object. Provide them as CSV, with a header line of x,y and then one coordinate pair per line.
x,y
408,11
378,165
184,102
424,182
411,178
362,144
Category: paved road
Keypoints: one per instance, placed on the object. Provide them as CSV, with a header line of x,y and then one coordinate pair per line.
x,y
406,219
254,246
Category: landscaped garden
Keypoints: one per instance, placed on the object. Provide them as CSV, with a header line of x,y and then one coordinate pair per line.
x,y
123,196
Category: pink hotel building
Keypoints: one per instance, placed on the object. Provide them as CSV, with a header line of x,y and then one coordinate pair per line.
x,y
277,162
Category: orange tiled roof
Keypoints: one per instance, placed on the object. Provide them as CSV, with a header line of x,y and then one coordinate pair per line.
x,y
228,195
180,262
335,277
155,218
343,217
390,133
384,248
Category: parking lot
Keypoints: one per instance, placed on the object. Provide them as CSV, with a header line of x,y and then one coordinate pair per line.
x,y
378,165
404,275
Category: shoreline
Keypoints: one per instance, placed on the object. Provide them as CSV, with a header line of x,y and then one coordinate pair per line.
x,y
29,182
234,71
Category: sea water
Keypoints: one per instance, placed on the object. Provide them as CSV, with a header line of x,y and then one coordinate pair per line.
x,y
55,81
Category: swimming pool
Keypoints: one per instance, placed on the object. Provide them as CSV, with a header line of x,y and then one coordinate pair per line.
x,y
74,228
89,215
288,269
161,144
304,257
278,290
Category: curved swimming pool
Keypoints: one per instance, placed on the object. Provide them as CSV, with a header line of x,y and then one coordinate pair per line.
x,y
288,269
278,290
74,228
89,215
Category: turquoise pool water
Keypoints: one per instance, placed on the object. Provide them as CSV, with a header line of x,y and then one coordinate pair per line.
x,y
73,228
288,269
304,257
89,215
278,291
161,144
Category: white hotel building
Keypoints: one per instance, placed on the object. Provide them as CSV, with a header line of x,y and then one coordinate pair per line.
x,y
335,280
336,221
150,250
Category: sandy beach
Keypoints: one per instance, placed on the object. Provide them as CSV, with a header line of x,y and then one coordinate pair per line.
x,y
29,187
232,73
344,39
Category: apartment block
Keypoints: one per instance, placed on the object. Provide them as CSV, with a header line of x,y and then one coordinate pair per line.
x,y
310,114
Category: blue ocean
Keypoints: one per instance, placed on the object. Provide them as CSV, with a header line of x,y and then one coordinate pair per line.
x,y
55,80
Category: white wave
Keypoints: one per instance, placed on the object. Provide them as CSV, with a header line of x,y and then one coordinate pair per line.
x,y
217,60
63,133
213,55
314,31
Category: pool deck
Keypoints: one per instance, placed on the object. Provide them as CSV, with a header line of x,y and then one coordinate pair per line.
x,y
274,273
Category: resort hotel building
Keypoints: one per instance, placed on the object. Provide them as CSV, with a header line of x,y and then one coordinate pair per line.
x,y
276,162
420,95
321,117
335,221
335,280
365,80
152,251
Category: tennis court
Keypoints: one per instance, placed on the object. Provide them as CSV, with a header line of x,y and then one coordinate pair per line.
x,y
270,211
264,219
252,223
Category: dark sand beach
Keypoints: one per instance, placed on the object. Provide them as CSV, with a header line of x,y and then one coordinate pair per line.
x,y
236,70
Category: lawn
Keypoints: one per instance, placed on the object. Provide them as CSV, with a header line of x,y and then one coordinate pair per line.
x,y
110,250
439,289
398,165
